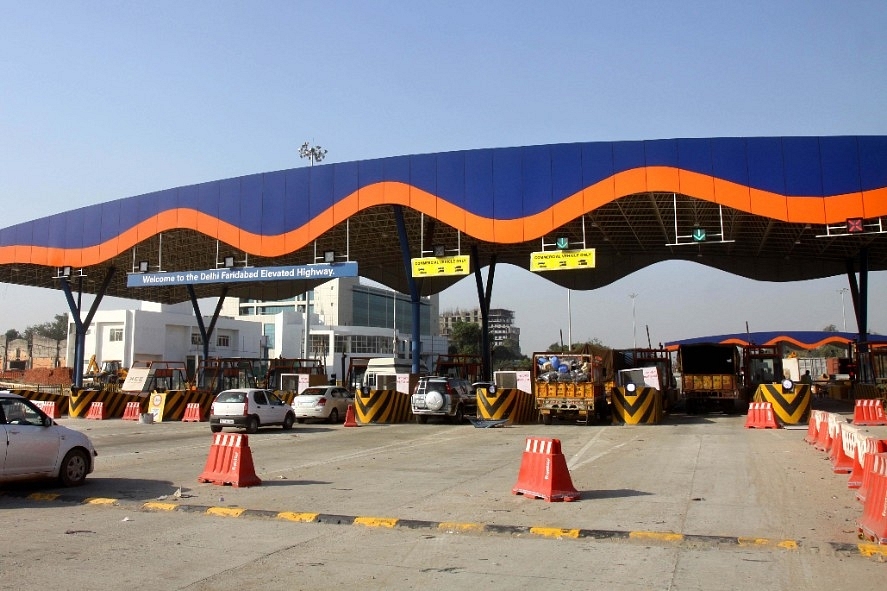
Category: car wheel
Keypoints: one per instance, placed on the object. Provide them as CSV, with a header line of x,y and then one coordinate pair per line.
x,y
215,428
421,419
546,419
334,416
459,417
252,425
288,421
74,468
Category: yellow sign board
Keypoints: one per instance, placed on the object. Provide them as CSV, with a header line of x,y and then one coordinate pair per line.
x,y
438,266
561,260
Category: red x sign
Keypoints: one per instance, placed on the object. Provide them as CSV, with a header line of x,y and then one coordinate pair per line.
x,y
854,225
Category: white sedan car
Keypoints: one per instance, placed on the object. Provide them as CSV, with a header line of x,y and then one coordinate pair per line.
x,y
37,447
328,403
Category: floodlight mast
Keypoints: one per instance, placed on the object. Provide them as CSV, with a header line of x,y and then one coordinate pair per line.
x,y
313,153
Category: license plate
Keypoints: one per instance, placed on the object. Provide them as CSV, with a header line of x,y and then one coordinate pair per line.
x,y
226,421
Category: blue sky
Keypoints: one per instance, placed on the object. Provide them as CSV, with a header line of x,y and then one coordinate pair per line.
x,y
103,100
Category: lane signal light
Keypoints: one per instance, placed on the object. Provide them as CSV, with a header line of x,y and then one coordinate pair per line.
x,y
698,234
854,225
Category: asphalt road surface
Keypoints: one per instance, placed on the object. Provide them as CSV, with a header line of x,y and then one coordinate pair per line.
x,y
698,502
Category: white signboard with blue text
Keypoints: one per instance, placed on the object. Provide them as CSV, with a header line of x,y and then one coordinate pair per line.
x,y
322,271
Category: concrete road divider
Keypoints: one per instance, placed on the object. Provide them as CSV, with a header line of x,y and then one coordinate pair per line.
x,y
869,412
760,416
873,523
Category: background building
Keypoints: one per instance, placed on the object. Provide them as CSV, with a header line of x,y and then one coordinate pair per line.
x,y
346,319
502,326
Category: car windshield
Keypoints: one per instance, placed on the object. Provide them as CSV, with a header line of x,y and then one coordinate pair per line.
x,y
231,397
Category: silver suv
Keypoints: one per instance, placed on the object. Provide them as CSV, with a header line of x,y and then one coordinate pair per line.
x,y
439,396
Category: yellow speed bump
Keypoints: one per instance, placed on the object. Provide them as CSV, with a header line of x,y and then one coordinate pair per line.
x,y
99,501
554,532
660,536
43,496
300,517
225,511
155,506
388,522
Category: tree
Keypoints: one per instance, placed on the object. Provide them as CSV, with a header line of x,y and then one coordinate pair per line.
x,y
465,339
57,330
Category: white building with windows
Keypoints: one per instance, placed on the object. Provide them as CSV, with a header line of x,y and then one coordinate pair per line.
x,y
346,319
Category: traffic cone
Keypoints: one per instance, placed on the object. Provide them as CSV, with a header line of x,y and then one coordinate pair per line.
x,y
192,413
230,461
96,411
349,417
132,412
544,473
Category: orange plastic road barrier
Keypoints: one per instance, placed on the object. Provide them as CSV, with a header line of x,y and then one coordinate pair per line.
x,y
843,448
96,411
349,417
866,445
132,412
813,426
760,416
826,431
869,465
230,461
192,413
50,408
543,472
869,412
873,523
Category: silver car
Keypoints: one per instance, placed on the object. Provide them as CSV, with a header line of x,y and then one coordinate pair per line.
x,y
37,447
327,403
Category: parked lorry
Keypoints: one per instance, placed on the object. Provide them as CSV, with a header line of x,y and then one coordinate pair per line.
x,y
711,377
647,367
569,386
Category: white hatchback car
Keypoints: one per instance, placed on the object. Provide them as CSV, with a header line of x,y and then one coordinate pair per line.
x,y
37,447
249,408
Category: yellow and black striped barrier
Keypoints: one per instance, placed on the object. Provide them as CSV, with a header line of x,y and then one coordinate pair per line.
x,y
644,406
507,403
790,408
114,402
383,406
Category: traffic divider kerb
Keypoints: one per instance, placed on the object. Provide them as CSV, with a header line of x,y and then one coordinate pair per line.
x,y
827,431
230,461
760,416
543,472
869,412
132,411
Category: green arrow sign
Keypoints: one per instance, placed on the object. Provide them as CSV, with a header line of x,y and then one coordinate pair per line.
x,y
563,242
698,234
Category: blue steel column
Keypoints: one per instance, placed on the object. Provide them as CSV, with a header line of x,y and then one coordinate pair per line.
x,y
416,345
205,334
484,299
81,326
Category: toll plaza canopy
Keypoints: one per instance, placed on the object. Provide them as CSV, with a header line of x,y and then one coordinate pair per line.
x,y
802,339
766,208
